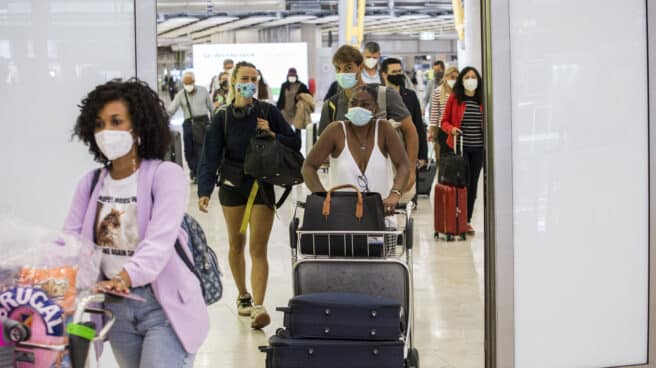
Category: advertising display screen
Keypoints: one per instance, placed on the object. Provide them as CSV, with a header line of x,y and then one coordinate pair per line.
x,y
272,59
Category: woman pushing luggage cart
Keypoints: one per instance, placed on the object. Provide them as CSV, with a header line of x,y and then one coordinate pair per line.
x,y
345,255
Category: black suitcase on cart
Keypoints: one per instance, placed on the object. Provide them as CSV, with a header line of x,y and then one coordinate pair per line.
x,y
347,316
284,352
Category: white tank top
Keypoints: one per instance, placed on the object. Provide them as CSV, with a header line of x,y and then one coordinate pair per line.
x,y
378,176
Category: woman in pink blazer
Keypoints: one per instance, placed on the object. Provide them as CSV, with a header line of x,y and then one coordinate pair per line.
x,y
134,212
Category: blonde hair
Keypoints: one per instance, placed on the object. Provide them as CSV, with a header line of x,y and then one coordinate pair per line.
x,y
444,84
233,78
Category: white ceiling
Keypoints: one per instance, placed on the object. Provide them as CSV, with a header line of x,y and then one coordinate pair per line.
x,y
185,23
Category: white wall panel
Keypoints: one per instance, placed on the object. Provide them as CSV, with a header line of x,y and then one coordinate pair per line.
x,y
52,52
580,156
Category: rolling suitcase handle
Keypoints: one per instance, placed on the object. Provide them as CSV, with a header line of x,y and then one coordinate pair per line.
x,y
455,144
359,211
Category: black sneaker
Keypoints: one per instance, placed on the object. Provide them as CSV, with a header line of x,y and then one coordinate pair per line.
x,y
244,305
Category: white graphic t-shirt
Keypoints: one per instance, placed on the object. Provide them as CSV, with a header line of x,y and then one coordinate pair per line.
x,y
117,231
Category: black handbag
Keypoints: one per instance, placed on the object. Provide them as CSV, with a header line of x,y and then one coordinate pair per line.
x,y
199,124
272,162
267,160
343,211
454,169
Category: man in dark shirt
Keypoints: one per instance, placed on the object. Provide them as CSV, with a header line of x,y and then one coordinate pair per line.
x,y
392,73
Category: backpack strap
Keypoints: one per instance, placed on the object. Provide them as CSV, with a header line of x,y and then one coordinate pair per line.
x,y
333,108
382,102
94,180
191,114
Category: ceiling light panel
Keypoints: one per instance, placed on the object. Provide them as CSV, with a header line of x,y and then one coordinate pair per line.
x,y
179,7
203,24
323,20
173,23
242,23
289,20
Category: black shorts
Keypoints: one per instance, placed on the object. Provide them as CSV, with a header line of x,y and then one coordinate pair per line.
x,y
230,196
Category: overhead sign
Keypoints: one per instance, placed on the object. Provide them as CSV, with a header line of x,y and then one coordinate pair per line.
x,y
272,59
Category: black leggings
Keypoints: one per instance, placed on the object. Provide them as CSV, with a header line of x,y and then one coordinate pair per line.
x,y
475,157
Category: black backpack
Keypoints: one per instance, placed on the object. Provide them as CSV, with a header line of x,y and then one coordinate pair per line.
x,y
267,160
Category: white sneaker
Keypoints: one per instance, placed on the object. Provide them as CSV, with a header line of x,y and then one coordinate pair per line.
x,y
259,317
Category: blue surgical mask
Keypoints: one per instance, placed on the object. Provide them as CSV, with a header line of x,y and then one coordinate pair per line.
x,y
346,80
246,90
359,116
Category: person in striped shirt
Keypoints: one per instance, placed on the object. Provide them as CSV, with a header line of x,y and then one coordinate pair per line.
x,y
439,97
463,115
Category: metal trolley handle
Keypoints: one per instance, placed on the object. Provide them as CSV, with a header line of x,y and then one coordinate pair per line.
x,y
83,308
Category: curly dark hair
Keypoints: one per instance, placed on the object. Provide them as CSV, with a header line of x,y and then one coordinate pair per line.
x,y
150,121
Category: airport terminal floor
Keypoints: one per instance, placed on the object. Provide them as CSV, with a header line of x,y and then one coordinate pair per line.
x,y
448,291
448,294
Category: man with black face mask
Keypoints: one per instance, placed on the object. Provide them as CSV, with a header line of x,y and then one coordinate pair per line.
x,y
394,77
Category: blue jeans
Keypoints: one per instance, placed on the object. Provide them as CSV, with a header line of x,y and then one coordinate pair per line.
x,y
142,336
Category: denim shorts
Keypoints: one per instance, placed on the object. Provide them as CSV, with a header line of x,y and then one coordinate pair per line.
x,y
142,336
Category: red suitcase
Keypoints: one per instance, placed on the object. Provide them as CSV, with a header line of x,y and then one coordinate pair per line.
x,y
450,211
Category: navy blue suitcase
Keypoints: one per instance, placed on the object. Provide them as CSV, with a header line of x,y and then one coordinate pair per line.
x,y
284,352
338,315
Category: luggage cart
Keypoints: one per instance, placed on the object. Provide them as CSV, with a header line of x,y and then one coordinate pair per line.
x,y
388,274
81,336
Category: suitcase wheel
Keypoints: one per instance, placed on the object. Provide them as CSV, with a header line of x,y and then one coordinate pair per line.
x,y
413,359
436,236
463,236
450,237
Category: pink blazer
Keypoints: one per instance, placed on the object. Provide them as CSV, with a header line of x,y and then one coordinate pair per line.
x,y
155,261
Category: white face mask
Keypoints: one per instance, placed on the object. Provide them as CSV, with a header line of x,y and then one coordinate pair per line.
x,y
292,79
114,143
189,88
370,63
451,82
470,84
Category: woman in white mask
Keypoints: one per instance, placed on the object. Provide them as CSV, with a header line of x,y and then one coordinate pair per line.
x,y
133,209
464,116
439,97
359,150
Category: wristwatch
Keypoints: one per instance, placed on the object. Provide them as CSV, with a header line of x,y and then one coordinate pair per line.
x,y
396,191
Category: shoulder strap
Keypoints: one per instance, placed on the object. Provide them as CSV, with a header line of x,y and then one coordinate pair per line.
x,y
94,180
263,109
382,101
376,133
333,108
343,124
191,114
225,125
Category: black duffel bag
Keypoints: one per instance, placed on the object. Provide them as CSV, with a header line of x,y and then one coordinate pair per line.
x,y
453,168
267,160
272,162
343,212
